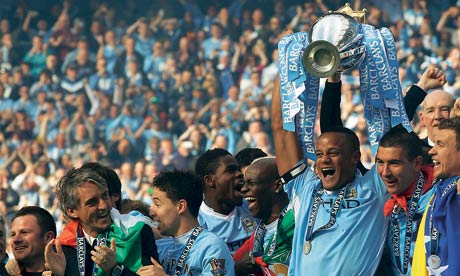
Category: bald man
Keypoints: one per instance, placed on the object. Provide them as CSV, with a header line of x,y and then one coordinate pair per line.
x,y
435,108
268,249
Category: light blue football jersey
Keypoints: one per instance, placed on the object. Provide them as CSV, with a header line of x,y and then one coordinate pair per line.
x,y
234,228
354,244
209,255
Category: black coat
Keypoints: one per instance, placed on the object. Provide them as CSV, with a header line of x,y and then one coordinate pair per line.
x,y
149,249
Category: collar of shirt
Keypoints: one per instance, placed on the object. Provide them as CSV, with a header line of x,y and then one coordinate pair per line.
x,y
88,238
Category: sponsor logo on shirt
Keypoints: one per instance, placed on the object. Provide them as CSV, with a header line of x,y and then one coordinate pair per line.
x,y
346,203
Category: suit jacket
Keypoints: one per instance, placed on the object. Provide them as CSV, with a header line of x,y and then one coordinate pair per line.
x,y
149,249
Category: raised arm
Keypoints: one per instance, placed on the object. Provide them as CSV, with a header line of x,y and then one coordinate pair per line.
x,y
287,149
432,78
330,103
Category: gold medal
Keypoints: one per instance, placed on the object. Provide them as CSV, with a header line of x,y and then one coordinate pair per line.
x,y
307,247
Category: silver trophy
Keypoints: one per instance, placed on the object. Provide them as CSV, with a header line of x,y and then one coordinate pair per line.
x,y
335,44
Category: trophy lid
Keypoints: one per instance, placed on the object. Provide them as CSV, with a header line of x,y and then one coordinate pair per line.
x,y
358,15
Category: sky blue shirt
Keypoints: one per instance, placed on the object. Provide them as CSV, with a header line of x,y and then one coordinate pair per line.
x,y
209,45
354,244
234,228
207,254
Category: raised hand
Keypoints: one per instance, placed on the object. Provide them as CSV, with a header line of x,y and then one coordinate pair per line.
x,y
55,259
455,112
12,267
105,257
432,78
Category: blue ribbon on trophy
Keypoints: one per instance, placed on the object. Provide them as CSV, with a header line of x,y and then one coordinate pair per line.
x,y
380,87
337,42
286,93
299,91
390,47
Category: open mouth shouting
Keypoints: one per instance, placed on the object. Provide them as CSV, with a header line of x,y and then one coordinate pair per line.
x,y
251,201
328,172
238,196
329,177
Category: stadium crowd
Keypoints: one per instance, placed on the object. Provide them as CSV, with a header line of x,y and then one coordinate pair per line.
x,y
148,86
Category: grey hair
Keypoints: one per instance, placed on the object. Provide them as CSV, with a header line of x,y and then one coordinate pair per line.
x,y
66,188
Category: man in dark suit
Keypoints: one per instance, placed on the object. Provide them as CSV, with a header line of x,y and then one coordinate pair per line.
x,y
98,237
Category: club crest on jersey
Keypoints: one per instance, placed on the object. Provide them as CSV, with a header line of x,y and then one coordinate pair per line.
x,y
218,267
352,193
248,223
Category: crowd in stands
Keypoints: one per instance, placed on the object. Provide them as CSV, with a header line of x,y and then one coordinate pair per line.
x,y
147,86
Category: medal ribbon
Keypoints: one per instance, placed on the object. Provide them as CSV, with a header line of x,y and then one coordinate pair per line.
x,y
314,211
413,204
191,240
259,235
434,233
81,250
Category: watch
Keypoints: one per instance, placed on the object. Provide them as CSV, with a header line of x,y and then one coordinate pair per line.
x,y
117,270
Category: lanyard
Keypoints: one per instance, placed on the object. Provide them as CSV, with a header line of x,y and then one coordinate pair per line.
x,y
259,236
191,240
413,204
81,250
434,233
314,212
